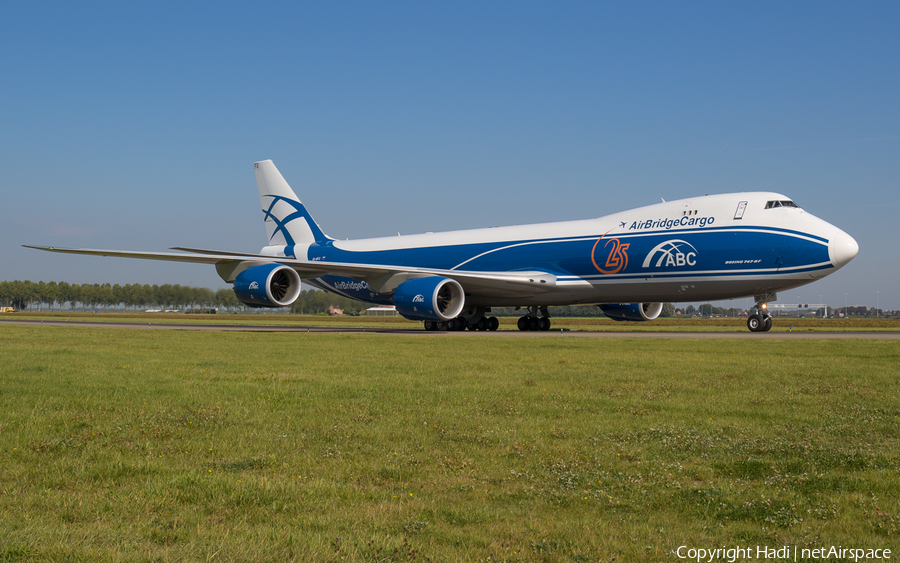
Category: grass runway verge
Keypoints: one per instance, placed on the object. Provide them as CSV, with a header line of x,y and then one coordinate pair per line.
x,y
583,324
165,446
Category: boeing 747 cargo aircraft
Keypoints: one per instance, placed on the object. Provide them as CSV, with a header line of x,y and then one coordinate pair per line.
x,y
699,249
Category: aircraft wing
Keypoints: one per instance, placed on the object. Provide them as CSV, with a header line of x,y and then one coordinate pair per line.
x,y
381,278
167,256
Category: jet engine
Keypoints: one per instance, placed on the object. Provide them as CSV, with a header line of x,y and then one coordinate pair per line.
x,y
429,299
632,311
267,285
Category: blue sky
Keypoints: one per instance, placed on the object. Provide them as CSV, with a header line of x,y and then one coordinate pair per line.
x,y
135,125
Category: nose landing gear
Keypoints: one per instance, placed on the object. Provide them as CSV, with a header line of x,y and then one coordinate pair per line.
x,y
760,320
759,323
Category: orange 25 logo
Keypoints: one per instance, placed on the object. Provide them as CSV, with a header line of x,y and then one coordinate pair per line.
x,y
617,259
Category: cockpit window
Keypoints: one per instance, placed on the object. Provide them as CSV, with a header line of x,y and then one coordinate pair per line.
x,y
782,203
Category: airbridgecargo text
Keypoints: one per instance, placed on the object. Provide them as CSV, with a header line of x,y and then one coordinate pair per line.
x,y
353,286
669,223
780,553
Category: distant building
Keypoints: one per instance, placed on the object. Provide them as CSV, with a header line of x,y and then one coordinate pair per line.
x,y
334,311
381,312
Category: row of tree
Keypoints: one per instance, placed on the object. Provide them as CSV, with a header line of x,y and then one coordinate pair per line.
x,y
62,295
668,310
707,310
52,295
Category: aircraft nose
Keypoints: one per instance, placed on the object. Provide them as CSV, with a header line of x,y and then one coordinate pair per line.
x,y
843,248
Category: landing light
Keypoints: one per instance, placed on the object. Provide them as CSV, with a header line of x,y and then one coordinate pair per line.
x,y
765,306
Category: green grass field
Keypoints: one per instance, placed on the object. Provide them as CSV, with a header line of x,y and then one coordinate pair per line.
x,y
720,324
214,446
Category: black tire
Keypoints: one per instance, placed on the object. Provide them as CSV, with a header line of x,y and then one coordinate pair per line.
x,y
429,325
755,323
767,324
534,323
482,324
493,323
544,323
523,323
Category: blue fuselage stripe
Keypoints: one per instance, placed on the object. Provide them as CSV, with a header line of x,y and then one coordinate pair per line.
x,y
721,251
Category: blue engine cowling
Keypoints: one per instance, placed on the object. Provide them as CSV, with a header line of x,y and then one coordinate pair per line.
x,y
631,311
267,285
429,299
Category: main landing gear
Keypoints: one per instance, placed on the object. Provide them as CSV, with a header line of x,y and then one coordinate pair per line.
x,y
476,321
532,321
537,319
760,321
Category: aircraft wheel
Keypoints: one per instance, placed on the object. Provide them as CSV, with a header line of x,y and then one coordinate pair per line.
x,y
522,323
767,324
459,323
534,323
483,324
429,325
441,325
493,323
544,323
755,323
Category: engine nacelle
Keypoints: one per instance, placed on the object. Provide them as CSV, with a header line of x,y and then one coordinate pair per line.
x,y
632,311
429,299
267,285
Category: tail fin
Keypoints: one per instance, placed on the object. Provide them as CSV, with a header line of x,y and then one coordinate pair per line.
x,y
288,223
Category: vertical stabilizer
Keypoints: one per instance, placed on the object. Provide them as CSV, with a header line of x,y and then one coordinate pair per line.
x,y
288,223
